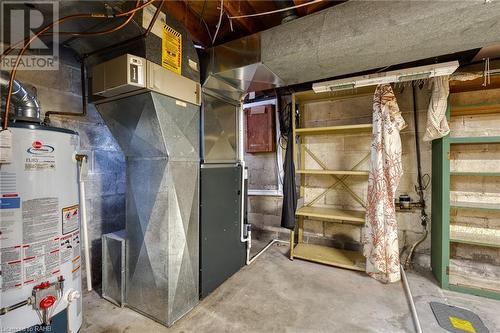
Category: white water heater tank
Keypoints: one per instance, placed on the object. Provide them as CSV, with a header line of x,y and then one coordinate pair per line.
x,y
40,231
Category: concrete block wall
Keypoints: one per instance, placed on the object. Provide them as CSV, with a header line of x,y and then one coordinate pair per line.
x,y
342,152
105,186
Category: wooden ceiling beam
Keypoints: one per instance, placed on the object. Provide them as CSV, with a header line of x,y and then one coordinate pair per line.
x,y
306,10
235,8
185,15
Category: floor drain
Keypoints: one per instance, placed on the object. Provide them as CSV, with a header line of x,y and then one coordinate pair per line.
x,y
457,320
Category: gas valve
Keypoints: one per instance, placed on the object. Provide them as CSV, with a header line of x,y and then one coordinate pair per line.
x,y
45,297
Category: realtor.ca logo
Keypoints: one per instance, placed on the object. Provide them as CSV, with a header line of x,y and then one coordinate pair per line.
x,y
19,22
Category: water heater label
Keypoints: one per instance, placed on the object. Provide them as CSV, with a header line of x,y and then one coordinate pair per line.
x,y
70,218
40,157
40,219
12,273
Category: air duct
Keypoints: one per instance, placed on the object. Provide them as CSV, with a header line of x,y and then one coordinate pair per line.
x,y
25,104
287,15
352,37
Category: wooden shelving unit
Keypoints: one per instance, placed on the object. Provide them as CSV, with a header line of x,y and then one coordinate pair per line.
x,y
354,216
334,172
312,210
446,234
344,129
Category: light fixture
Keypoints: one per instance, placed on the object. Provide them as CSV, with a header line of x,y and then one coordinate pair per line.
x,y
400,75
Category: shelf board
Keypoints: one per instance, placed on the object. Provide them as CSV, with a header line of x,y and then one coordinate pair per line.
x,y
332,214
475,236
472,110
474,140
475,173
335,172
343,129
330,256
474,205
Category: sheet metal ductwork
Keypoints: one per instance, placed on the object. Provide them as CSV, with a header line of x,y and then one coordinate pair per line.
x,y
236,68
352,37
158,130
24,103
160,140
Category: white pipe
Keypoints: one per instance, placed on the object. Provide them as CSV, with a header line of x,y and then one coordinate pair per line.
x,y
71,296
83,211
243,239
413,309
249,261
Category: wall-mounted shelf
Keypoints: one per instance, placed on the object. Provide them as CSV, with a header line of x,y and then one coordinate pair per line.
x,y
472,110
473,140
475,236
445,234
333,172
474,205
475,173
343,129
332,214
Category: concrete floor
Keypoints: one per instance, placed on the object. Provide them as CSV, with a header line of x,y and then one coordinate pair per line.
x,y
275,294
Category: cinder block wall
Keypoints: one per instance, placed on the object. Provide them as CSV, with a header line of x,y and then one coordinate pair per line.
x,y
105,186
343,152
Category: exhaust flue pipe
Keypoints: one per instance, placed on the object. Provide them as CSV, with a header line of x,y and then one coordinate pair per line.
x,y
26,105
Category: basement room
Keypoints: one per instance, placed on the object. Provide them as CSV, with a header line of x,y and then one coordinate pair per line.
x,y
254,166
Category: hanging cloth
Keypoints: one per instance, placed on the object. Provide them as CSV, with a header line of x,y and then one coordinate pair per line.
x,y
380,233
437,124
289,187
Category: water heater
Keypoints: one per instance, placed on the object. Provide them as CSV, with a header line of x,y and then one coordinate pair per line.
x,y
40,231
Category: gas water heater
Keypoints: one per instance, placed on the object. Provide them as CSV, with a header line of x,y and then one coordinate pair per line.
x,y
40,230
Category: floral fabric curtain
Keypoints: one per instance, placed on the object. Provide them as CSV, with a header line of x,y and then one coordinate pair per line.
x,y
380,233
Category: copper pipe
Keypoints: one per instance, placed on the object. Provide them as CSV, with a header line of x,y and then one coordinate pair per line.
x,y
84,99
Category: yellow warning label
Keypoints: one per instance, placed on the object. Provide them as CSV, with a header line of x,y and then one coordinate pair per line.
x,y
462,324
171,55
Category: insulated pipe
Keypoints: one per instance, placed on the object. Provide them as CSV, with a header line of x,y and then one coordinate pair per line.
x,y
413,309
83,209
25,104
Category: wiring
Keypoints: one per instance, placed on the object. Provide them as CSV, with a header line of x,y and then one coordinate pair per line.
x,y
220,20
276,11
47,28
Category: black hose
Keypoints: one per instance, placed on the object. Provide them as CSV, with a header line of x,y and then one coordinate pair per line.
x,y
420,187
420,190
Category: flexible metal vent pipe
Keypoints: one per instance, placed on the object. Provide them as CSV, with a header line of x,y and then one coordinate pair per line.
x,y
26,105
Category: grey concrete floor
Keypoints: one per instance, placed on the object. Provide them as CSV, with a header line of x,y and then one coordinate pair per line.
x,y
275,294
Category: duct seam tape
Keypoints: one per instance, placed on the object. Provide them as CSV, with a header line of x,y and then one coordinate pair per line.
x,y
5,146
